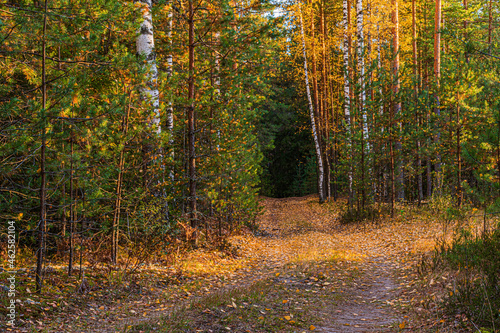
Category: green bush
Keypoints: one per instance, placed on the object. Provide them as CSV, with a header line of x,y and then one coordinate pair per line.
x,y
477,259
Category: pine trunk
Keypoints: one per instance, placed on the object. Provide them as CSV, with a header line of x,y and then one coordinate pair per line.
x,y
437,75
41,225
397,104
191,121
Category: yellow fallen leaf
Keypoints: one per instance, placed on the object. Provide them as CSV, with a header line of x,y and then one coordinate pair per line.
x,y
312,328
287,317
285,301
402,325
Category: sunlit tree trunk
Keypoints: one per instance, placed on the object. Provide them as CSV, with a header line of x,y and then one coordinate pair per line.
x,y
315,92
361,64
42,223
326,114
145,48
311,109
416,90
347,94
149,94
191,119
170,72
437,75
365,144
397,105
490,26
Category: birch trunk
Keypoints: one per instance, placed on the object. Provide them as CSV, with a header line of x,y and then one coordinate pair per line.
x,y
315,90
145,47
311,111
170,105
347,92
326,120
361,64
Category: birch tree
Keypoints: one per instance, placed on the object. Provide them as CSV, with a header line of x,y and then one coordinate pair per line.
x,y
145,48
311,111
361,64
170,72
347,92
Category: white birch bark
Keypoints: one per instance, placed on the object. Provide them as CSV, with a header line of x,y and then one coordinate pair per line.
x,y
145,47
217,81
361,64
170,72
170,105
379,65
321,171
347,89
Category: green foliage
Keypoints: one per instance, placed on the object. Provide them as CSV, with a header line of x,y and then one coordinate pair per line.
x,y
477,258
107,169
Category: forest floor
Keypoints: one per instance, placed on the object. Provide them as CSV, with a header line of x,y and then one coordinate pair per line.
x,y
301,271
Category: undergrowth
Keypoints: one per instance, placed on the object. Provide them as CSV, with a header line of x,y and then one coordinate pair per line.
x,y
369,213
476,261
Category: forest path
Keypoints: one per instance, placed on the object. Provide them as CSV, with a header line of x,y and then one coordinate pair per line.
x,y
364,271
310,273
300,271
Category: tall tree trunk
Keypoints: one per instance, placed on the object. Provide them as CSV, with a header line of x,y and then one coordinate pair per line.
x,y
490,27
466,23
311,109
326,120
145,47
347,95
397,105
362,96
317,105
459,160
361,64
118,191
41,225
191,120
437,75
71,209
149,93
416,89
170,72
